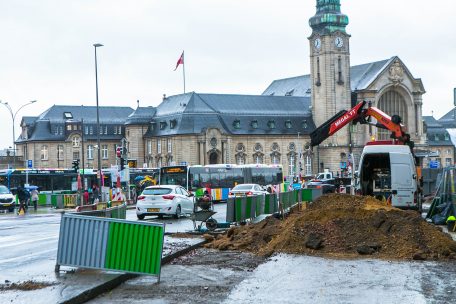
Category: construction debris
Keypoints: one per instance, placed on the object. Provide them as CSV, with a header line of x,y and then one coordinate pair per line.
x,y
340,225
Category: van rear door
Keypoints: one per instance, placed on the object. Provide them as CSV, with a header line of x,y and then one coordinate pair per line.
x,y
402,183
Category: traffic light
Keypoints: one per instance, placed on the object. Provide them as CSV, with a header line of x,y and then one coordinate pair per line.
x,y
119,152
76,165
122,163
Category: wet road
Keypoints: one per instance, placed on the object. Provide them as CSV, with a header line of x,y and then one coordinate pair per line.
x,y
26,242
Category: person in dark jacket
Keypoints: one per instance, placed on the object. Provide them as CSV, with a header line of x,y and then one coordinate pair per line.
x,y
22,196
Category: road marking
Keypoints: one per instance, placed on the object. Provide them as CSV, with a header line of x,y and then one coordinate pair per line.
x,y
13,243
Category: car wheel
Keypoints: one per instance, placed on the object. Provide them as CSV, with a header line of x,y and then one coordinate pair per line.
x,y
11,210
178,212
140,216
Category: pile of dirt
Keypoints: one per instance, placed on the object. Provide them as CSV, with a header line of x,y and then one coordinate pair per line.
x,y
340,225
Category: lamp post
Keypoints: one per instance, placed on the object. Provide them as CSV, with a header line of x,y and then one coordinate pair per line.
x,y
13,117
96,45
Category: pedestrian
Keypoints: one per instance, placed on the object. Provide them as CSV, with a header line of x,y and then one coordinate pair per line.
x,y
34,194
95,194
86,197
22,197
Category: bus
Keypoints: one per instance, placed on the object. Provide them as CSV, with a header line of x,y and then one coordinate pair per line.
x,y
46,179
220,179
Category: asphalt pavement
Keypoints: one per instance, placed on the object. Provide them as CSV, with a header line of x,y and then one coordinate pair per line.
x,y
28,249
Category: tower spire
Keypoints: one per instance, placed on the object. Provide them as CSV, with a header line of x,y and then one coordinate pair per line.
x,y
328,18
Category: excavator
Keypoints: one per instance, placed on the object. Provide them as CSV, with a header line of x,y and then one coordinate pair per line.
x,y
387,169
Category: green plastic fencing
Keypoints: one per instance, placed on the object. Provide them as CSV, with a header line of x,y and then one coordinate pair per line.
x,y
110,244
242,208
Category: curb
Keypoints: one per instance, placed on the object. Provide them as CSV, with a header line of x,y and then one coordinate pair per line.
x,y
113,283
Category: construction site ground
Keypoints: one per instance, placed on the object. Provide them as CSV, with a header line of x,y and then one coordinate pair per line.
x,y
363,251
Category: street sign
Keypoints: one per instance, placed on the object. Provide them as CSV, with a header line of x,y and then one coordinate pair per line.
x,y
434,164
29,163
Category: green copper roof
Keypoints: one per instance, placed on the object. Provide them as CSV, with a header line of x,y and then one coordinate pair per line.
x,y
328,17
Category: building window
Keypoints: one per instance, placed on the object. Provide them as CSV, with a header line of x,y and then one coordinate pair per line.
x,y
447,162
159,146
392,103
60,152
100,129
172,123
275,158
115,130
91,130
258,147
447,136
304,124
288,124
318,83
76,155
105,130
119,131
68,127
104,151
240,158
149,147
237,124
271,124
76,142
448,151
292,164
170,146
44,152
258,158
86,130
436,137
67,115
339,67
254,124
90,152
162,125
308,165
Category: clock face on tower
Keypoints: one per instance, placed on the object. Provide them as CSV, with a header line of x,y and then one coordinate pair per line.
x,y
339,42
317,43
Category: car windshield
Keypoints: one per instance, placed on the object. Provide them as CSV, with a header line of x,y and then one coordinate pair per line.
x,y
4,190
243,187
156,191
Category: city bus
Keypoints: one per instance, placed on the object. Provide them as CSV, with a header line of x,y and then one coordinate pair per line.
x,y
219,179
45,179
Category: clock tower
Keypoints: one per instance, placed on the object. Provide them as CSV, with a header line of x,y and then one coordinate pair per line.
x,y
330,67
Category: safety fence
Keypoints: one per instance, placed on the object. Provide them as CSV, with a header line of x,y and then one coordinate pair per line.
x,y
118,212
110,244
240,209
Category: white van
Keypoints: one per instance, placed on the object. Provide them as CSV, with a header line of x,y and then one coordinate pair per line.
x,y
389,171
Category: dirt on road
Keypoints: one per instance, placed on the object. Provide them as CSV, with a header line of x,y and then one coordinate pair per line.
x,y
340,225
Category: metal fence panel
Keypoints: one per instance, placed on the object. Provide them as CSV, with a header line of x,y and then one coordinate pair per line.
x,y
110,244
230,215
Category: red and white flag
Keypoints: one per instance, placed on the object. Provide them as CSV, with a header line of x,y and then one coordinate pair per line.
x,y
180,61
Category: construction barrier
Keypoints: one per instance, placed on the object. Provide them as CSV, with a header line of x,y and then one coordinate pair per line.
x,y
117,212
110,244
70,200
242,208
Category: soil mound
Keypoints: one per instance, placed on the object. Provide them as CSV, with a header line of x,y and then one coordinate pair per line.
x,y
341,225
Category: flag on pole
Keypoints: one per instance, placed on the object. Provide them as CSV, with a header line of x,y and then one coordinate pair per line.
x,y
180,60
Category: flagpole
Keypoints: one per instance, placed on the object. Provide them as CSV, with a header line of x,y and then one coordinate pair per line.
x,y
183,68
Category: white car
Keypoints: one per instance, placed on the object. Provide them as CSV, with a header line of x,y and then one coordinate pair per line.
x,y
6,199
164,200
247,190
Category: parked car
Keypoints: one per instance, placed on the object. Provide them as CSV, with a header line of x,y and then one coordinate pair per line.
x,y
164,200
7,200
247,190
326,187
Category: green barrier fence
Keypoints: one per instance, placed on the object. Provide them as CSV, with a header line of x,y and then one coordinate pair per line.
x,y
110,244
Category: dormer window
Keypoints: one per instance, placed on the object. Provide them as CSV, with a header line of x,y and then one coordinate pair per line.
x,y
288,124
67,115
304,124
271,124
153,125
436,137
447,136
237,124
254,124
172,123
163,125
289,93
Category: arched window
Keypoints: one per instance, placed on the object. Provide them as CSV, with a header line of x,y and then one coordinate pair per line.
x,y
392,103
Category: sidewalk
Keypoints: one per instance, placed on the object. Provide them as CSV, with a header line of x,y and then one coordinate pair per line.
x,y
70,285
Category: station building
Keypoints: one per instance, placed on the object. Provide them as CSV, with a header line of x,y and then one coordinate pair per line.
x,y
270,128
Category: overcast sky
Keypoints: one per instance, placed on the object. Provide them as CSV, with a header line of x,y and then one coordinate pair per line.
x,y
231,46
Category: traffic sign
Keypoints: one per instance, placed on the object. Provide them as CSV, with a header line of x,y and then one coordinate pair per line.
x,y
29,163
434,164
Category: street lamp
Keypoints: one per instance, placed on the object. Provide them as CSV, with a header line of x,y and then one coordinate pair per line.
x,y
13,117
98,115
